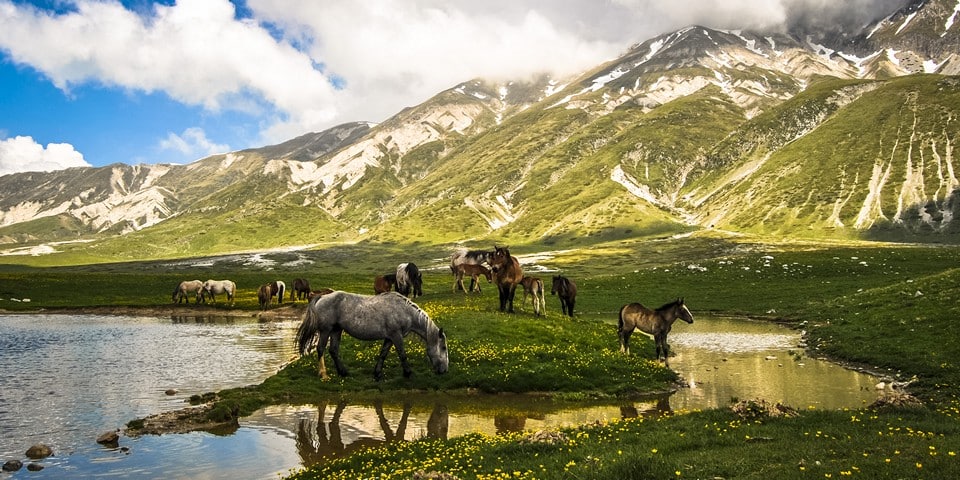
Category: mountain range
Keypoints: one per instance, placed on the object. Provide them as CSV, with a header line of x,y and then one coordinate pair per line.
x,y
810,133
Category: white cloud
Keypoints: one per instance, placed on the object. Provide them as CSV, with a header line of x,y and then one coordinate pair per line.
x,y
195,51
192,143
344,60
24,154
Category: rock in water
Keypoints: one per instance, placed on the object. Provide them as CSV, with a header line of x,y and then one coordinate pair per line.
x,y
12,465
111,438
39,451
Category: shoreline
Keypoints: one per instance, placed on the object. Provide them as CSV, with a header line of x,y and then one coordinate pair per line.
x,y
283,312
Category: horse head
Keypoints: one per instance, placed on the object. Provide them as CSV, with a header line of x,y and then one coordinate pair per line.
x,y
682,312
555,284
500,256
437,352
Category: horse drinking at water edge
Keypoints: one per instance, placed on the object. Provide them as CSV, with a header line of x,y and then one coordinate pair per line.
x,y
278,288
301,289
653,322
264,294
216,287
388,317
194,287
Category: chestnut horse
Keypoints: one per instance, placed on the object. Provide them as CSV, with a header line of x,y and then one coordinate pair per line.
x,y
473,271
264,294
506,275
384,283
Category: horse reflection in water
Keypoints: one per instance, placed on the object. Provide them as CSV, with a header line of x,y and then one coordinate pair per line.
x,y
322,440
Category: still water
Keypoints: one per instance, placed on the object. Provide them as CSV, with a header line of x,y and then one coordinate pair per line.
x,y
66,379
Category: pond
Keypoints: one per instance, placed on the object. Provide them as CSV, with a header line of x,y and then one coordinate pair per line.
x,y
66,379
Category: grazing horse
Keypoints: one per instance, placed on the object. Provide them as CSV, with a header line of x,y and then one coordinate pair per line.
x,y
409,280
566,289
533,286
654,322
278,288
301,289
473,271
264,295
462,256
506,274
194,287
388,317
384,283
216,287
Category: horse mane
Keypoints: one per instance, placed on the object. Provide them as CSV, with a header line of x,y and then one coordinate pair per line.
x,y
669,305
422,317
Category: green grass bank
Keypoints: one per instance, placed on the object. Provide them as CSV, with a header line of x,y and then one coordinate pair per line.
x,y
888,307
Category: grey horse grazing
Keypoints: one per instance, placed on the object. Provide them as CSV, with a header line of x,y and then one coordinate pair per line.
x,y
654,322
217,287
389,317
185,288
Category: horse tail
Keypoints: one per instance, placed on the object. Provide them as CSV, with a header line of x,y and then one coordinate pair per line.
x,y
175,291
309,328
620,319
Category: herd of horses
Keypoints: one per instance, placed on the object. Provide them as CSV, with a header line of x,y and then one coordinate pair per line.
x,y
389,315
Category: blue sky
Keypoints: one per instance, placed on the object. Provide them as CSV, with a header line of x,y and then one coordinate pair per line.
x,y
94,82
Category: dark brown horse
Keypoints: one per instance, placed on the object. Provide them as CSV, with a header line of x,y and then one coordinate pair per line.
x,y
301,289
654,322
566,289
473,271
533,286
506,275
384,283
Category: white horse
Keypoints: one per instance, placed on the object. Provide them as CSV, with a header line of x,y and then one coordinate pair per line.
x,y
215,287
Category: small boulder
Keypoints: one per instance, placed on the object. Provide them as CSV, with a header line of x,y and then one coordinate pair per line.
x,y
111,438
34,467
39,451
12,465
171,391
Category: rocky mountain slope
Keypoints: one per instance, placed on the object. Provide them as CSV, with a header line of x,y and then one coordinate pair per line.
x,y
812,134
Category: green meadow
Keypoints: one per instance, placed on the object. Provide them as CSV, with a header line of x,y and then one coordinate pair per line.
x,y
891,308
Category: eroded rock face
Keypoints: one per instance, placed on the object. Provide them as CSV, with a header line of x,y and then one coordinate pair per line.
x,y
39,451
